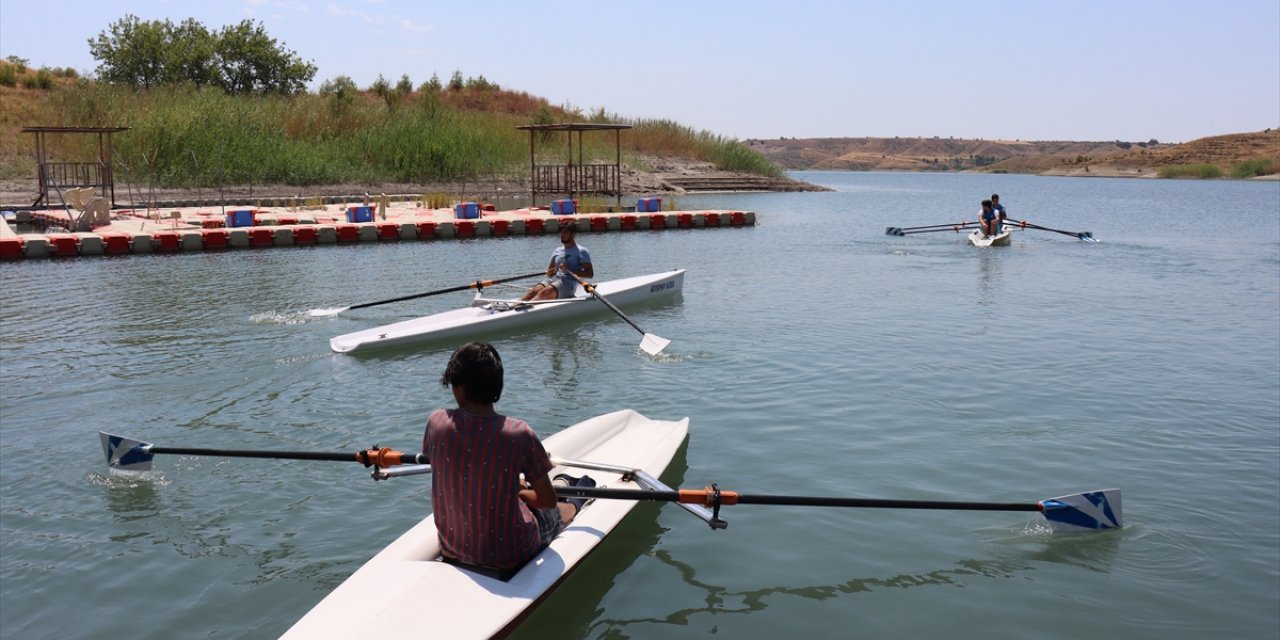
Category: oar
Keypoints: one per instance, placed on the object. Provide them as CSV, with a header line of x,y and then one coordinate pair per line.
x,y
1083,235
958,227
478,284
652,344
128,454
897,231
1080,512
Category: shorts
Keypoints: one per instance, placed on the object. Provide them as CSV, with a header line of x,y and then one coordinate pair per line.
x,y
550,524
565,286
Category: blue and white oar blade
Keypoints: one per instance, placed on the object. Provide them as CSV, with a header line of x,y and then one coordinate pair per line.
x,y
1084,511
126,453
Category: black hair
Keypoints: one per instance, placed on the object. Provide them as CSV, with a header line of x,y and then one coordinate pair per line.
x,y
995,196
986,203
478,368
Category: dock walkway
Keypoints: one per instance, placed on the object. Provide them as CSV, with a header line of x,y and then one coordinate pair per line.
x,y
184,229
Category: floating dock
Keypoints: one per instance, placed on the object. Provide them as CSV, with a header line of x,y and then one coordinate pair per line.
x,y
187,229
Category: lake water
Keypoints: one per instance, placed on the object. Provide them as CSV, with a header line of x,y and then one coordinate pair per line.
x,y
814,354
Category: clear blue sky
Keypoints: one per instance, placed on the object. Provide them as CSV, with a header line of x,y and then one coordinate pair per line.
x,y
1173,70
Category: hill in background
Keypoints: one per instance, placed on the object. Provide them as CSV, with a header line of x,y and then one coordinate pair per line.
x,y
1257,151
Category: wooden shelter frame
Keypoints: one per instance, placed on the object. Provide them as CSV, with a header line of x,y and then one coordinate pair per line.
x,y
60,175
573,179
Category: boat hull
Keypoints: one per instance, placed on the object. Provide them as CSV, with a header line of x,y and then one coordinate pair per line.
x,y
406,583
476,320
1001,239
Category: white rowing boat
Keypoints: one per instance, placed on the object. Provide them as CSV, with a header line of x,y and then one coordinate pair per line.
x,y
408,582
1001,239
487,315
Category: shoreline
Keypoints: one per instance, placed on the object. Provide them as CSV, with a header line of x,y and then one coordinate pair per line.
x,y
669,178
19,194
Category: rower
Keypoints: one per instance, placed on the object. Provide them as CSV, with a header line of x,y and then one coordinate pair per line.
x,y
567,260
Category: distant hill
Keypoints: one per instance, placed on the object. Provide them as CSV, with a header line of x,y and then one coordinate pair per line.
x,y
1114,158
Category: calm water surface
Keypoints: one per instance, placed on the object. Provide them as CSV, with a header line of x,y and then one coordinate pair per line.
x,y
815,356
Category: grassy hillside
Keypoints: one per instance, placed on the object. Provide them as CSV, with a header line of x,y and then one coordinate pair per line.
x,y
182,137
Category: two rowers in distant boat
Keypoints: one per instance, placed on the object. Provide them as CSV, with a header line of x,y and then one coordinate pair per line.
x,y
992,216
566,259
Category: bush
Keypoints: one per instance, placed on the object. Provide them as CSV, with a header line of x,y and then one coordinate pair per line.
x,y
44,79
8,75
1255,167
1203,170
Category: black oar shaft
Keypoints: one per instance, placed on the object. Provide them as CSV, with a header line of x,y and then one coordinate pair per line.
x,y
332,456
381,457
706,497
876,503
474,285
590,288
958,228
936,226
1030,225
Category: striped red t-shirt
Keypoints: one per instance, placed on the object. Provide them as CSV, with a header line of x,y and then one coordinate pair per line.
x,y
476,462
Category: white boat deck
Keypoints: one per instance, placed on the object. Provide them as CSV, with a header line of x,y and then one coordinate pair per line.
x,y
407,584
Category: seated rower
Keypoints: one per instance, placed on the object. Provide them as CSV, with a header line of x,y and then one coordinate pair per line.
x,y
486,513
568,258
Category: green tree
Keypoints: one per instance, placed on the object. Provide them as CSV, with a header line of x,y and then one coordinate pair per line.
x,y
341,91
251,62
405,86
190,56
239,59
455,81
132,51
432,86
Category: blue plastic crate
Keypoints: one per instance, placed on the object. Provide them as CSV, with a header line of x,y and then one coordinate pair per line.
x,y
240,218
360,214
563,207
649,205
466,210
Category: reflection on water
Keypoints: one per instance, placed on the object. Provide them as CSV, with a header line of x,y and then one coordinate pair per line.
x,y
988,275
572,610
572,360
1093,551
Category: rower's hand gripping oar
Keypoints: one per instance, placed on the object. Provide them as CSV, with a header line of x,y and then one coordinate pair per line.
x,y
1089,511
957,227
1023,224
478,284
127,454
650,343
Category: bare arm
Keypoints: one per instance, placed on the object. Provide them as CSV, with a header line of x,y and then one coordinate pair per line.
x,y
542,495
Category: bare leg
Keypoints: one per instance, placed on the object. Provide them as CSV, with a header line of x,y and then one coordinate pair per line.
x,y
567,511
536,293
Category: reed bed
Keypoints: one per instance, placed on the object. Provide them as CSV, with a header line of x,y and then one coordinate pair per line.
x,y
184,137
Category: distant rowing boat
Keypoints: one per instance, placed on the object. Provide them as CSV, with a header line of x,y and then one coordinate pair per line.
x,y
487,315
1001,239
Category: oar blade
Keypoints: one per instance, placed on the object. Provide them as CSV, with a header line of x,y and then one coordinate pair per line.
x,y
126,454
653,345
1084,511
894,231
